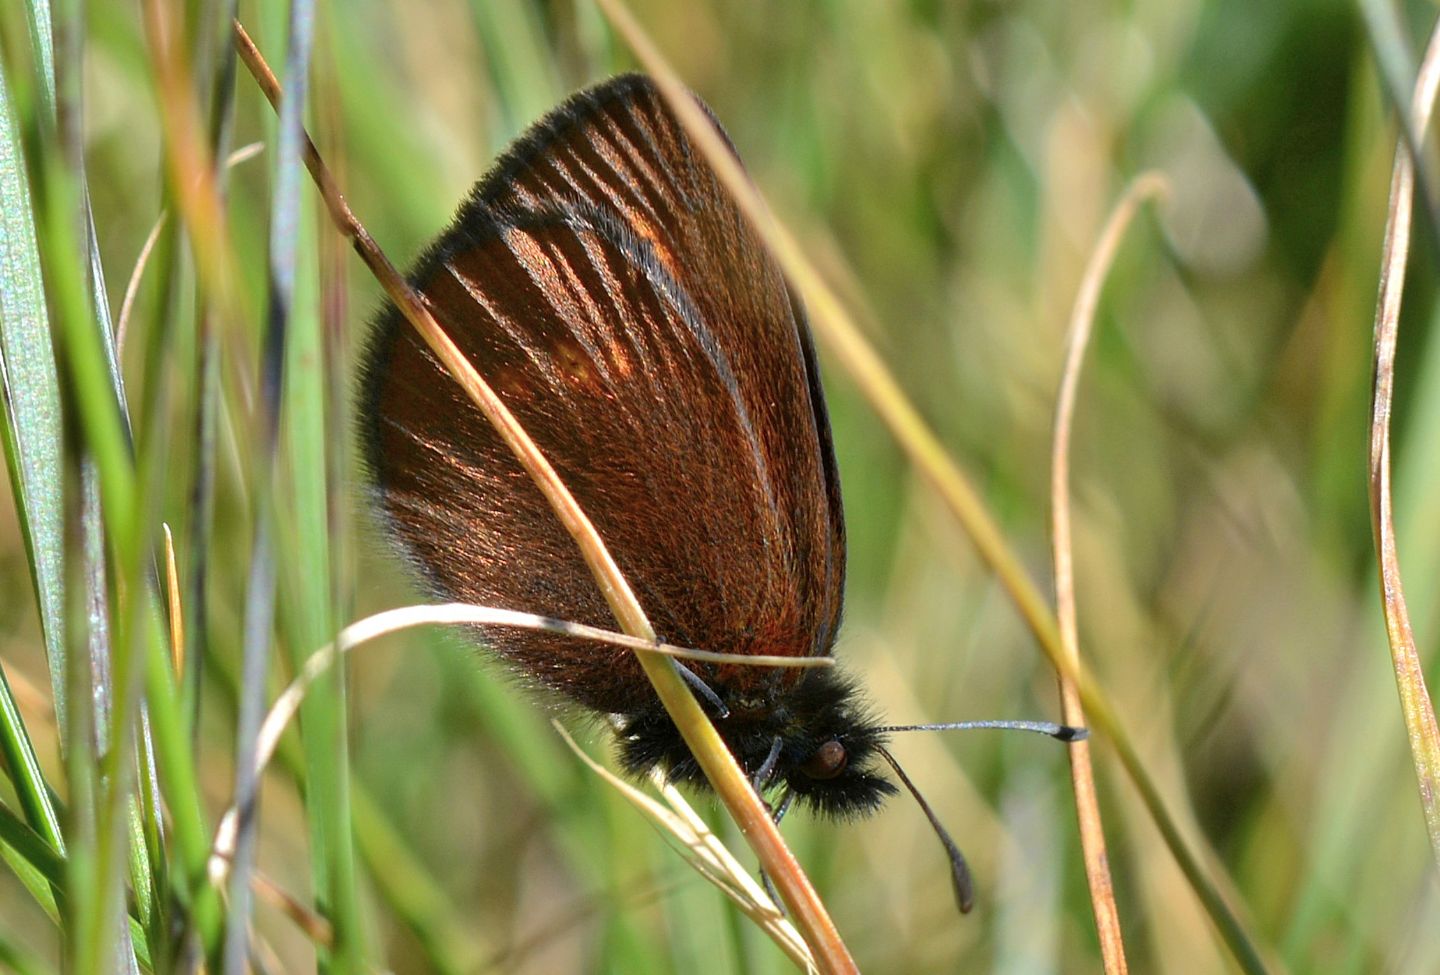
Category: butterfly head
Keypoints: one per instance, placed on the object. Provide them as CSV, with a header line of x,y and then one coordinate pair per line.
x,y
813,737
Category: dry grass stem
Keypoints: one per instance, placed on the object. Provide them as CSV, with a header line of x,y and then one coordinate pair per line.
x,y
142,260
1415,705
315,927
371,628
1082,777
132,287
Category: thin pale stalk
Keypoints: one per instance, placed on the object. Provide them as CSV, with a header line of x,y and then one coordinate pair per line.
x,y
1416,707
260,593
704,741
320,931
361,632
831,321
175,609
132,287
1072,711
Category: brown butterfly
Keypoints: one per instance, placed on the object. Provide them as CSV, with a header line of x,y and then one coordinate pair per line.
x,y
613,295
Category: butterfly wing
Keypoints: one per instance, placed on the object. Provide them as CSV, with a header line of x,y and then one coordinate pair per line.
x,y
612,294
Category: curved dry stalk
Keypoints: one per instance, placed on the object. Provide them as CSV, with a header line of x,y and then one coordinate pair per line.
x,y
132,287
142,260
1416,707
363,631
1082,777
704,742
914,436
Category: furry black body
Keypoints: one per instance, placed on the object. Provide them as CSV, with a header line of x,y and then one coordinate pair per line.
x,y
821,708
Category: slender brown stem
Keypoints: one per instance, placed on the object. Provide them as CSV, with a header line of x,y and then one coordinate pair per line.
x,y
1416,707
704,741
1082,776
132,287
315,927
137,273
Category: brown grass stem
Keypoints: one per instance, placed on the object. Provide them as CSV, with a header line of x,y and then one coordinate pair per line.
x,y
1416,707
132,287
1082,776
315,927
704,741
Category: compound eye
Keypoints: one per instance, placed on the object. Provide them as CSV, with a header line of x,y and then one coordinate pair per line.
x,y
828,761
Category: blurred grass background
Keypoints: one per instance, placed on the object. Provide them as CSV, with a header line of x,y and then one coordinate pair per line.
x,y
949,166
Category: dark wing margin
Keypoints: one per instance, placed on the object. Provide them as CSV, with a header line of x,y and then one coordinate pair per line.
x,y
609,290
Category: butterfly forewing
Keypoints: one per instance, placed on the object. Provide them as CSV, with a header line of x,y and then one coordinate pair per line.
x,y
608,289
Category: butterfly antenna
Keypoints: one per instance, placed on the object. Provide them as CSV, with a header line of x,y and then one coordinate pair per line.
x,y
1060,732
959,869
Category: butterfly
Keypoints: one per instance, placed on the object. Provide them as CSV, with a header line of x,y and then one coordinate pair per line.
x,y
609,289
611,292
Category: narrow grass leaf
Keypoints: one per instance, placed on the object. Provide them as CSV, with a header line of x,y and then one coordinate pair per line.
x,y
43,865
33,451
284,230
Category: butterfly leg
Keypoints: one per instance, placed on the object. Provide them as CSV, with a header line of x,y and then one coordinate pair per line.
x,y
766,771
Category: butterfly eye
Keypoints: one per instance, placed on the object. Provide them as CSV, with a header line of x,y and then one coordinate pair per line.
x,y
828,761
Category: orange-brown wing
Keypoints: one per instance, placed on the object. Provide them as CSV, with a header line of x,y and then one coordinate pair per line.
x,y
606,286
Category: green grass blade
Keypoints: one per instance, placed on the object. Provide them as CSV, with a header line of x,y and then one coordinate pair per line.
x,y
270,546
44,865
43,43
307,615
33,445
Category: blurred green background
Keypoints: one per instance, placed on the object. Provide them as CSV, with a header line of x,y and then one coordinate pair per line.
x,y
948,166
